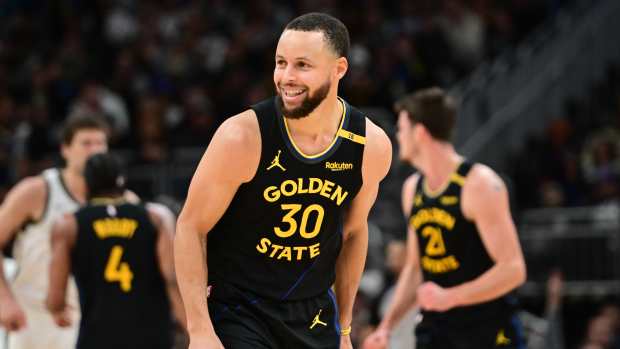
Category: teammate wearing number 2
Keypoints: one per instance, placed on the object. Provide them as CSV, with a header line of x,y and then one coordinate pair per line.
x,y
463,251
278,207
121,256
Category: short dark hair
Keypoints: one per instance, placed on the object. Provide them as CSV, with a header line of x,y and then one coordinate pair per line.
x,y
335,32
104,175
433,108
82,122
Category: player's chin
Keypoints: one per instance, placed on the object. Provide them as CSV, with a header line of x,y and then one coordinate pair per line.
x,y
294,101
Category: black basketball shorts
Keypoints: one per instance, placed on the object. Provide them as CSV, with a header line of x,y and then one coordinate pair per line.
x,y
242,320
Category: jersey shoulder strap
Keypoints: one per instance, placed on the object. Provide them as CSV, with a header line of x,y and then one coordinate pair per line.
x,y
265,113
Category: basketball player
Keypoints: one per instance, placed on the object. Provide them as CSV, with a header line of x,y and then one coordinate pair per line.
x,y
463,251
121,256
27,214
278,207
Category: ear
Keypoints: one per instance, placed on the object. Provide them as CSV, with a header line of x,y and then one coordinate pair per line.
x,y
424,133
63,150
342,65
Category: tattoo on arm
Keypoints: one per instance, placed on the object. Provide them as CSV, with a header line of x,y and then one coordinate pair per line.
x,y
498,185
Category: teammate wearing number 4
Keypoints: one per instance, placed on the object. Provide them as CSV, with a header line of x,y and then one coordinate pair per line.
x,y
27,215
121,256
463,252
278,207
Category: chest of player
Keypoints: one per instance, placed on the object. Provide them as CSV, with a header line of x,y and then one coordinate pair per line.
x,y
293,210
308,196
445,236
294,207
331,182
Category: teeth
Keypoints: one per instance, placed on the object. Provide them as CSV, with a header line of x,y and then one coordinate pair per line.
x,y
293,93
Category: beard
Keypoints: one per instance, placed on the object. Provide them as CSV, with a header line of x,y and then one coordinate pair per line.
x,y
307,105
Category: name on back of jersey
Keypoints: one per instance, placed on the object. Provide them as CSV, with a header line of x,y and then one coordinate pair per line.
x,y
115,227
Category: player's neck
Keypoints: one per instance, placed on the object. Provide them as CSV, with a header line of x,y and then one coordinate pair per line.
x,y
324,121
75,183
439,162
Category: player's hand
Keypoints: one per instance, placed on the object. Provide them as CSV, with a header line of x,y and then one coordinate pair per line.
x,y
63,318
205,342
379,339
345,342
12,316
433,297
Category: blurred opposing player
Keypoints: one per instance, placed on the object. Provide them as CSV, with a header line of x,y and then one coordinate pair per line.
x,y
27,215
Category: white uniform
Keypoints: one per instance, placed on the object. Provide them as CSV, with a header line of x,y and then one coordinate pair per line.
x,y
32,253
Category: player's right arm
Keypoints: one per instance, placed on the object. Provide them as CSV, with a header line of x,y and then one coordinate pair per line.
x,y
23,203
408,280
163,220
231,159
63,238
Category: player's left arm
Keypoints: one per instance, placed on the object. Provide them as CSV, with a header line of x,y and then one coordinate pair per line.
x,y
350,263
485,201
164,222
64,233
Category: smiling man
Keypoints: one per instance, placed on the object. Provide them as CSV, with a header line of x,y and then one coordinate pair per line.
x,y
278,207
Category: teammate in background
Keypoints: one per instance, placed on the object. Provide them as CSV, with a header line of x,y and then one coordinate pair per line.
x,y
463,252
121,256
27,214
278,207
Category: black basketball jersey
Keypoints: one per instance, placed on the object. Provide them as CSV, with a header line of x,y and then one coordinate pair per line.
x,y
451,250
282,232
122,293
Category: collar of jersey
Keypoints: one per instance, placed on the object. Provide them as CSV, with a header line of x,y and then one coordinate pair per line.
x,y
65,187
298,153
442,188
107,201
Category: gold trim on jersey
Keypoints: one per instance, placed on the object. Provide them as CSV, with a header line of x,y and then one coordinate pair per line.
x,y
458,179
454,177
434,193
288,133
107,201
351,136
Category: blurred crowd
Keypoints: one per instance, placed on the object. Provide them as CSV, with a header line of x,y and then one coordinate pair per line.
x,y
576,160
165,73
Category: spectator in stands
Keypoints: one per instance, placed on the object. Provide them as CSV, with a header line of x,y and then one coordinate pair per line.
x,y
463,30
151,129
95,99
600,333
601,165
547,332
